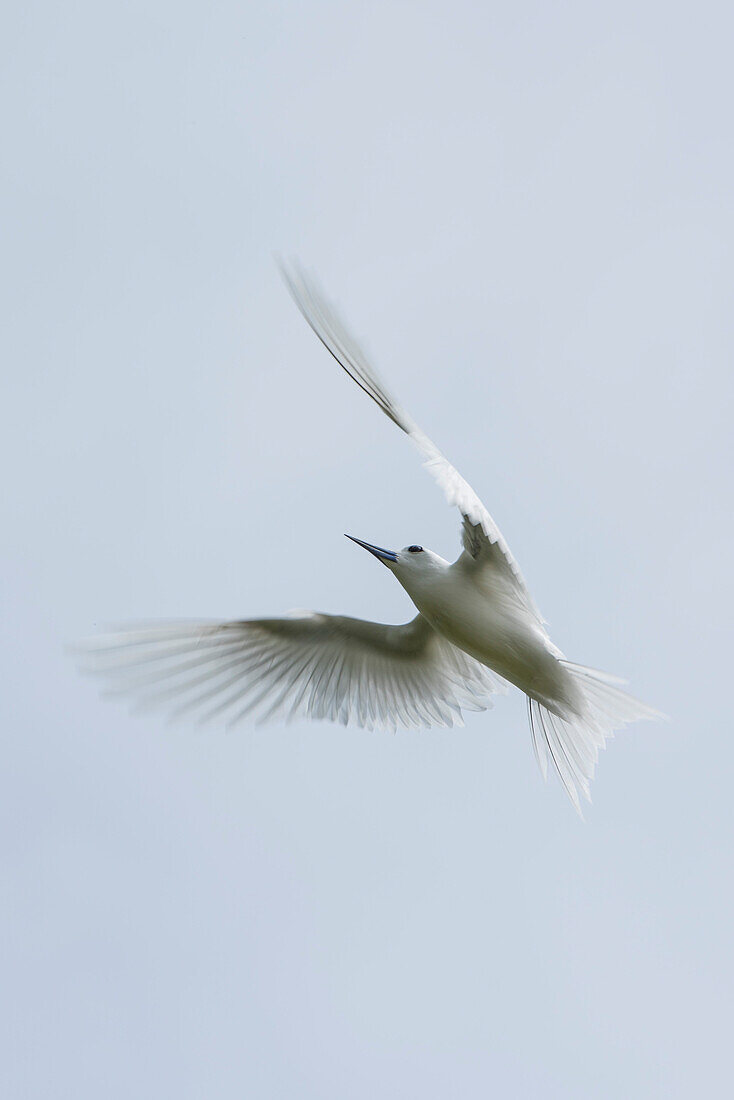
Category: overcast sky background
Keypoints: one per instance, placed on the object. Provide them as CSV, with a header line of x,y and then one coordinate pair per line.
x,y
526,212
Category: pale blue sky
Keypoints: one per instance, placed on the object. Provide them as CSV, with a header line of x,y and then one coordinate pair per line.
x,y
526,211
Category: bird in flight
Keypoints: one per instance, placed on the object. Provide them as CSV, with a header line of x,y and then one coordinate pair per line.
x,y
476,630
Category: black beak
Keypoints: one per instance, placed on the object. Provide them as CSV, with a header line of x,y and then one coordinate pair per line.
x,y
383,555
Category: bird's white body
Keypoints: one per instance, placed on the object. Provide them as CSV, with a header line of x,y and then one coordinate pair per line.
x,y
477,630
476,611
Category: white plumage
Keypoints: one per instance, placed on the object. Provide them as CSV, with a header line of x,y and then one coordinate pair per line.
x,y
477,630
306,665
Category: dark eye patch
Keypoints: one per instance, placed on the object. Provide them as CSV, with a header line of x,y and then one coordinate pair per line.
x,y
415,549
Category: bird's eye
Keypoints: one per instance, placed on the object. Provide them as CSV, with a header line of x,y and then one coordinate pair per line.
x,y
415,549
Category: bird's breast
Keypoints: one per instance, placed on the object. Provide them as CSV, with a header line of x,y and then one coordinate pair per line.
x,y
495,631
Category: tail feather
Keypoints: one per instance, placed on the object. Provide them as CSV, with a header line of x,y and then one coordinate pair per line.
x,y
573,743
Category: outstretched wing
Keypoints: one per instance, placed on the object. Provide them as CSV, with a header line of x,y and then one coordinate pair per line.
x,y
307,665
481,537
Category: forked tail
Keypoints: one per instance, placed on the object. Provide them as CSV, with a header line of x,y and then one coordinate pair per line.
x,y
573,744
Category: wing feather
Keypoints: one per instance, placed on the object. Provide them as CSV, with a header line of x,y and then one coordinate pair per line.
x,y
307,665
481,537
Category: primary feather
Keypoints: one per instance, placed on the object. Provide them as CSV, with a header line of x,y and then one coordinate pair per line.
x,y
336,338
306,665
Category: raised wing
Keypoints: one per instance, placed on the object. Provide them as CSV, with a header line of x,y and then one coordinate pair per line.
x,y
307,665
481,537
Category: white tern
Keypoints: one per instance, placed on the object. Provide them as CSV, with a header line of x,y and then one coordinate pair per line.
x,y
476,631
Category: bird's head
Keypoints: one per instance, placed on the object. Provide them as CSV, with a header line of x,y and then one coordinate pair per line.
x,y
412,565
